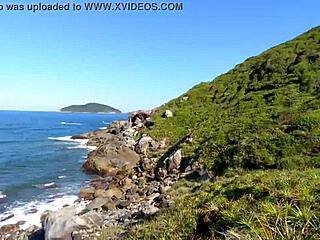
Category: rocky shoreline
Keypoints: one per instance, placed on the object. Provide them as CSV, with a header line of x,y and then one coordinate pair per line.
x,y
135,174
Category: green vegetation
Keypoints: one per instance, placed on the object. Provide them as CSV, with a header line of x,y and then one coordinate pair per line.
x,y
257,130
91,108
273,204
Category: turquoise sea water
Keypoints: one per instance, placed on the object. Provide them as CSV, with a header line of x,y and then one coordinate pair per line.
x,y
34,155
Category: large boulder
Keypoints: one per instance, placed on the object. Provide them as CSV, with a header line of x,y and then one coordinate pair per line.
x,y
120,124
143,145
100,193
138,119
60,224
87,193
173,161
8,229
111,157
167,114
97,203
114,192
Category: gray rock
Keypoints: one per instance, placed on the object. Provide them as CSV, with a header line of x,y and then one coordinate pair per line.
x,y
160,173
111,157
173,161
100,193
60,225
153,196
109,206
97,203
146,211
185,98
87,193
162,144
6,217
143,145
114,192
89,220
167,114
123,204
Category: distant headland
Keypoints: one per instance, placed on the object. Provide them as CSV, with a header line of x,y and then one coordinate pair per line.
x,y
90,108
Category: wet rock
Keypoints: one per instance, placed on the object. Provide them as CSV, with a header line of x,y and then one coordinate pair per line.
x,y
6,217
46,185
44,216
9,229
79,137
87,193
32,210
2,196
32,229
33,233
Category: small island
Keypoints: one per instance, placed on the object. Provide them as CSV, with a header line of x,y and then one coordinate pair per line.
x,y
91,108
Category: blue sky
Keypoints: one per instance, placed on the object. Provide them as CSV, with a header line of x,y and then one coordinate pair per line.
x,y
136,60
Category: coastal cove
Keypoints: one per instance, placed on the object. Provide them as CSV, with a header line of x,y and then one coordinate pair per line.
x,y
40,166
234,158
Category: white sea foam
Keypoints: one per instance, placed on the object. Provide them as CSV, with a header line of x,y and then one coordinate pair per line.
x,y
81,143
71,123
46,185
61,177
91,148
2,195
69,139
103,128
32,211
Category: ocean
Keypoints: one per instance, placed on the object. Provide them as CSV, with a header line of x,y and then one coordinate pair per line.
x,y
40,168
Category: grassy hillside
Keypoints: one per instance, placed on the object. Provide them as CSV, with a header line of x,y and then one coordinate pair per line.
x,y
91,108
265,113
257,129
